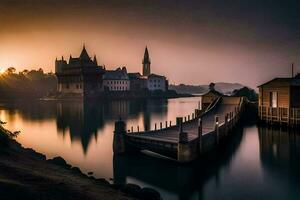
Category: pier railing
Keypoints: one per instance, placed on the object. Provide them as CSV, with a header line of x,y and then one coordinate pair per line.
x,y
191,142
281,115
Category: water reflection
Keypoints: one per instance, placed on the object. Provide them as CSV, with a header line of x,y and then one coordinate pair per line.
x,y
280,153
180,181
84,120
258,163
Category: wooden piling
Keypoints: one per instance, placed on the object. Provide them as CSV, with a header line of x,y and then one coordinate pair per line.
x,y
217,129
226,124
155,127
166,124
200,134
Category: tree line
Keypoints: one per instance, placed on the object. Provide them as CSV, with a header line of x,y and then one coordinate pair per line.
x,y
26,83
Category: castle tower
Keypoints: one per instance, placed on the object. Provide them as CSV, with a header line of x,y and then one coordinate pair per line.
x,y
146,63
84,55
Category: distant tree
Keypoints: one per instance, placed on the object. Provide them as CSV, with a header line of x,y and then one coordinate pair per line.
x,y
212,86
246,92
24,72
10,70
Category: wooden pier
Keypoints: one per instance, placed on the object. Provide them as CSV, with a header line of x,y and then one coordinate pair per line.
x,y
280,115
190,137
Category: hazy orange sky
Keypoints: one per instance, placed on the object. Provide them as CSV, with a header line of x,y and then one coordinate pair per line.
x,y
193,42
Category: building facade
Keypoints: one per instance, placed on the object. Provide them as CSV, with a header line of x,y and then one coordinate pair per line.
x,y
116,80
81,76
208,97
279,100
137,82
157,82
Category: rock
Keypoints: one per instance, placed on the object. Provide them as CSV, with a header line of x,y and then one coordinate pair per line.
x,y
59,161
36,154
102,181
149,194
132,189
76,170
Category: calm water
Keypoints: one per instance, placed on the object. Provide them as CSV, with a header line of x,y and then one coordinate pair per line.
x,y
258,163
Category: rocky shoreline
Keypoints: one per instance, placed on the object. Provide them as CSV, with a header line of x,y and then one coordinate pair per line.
x,y
27,174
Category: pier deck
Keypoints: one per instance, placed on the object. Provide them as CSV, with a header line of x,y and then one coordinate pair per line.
x,y
189,138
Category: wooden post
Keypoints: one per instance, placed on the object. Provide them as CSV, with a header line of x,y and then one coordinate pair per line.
x,y
296,117
231,120
193,116
131,129
138,129
288,116
166,124
181,127
279,116
226,124
119,139
170,123
217,128
155,126
271,115
184,119
200,134
178,120
188,117
160,125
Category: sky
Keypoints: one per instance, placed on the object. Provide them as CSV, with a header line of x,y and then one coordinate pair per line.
x,y
189,41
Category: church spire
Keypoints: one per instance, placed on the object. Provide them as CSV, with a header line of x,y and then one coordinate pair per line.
x,y
146,63
146,56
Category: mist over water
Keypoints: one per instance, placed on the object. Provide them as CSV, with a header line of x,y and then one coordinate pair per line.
x,y
257,162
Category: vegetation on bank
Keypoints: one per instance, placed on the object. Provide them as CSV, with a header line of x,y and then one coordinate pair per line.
x,y
27,83
246,92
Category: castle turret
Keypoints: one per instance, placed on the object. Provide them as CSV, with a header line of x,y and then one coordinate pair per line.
x,y
95,60
60,65
146,63
84,55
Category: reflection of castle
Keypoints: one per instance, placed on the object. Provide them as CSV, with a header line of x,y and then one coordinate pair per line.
x,y
83,119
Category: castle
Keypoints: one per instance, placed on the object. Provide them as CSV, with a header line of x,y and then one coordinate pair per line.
x,y
83,77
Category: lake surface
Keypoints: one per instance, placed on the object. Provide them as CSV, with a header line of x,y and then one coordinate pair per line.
x,y
257,163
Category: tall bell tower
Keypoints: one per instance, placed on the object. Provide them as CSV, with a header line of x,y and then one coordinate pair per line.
x,y
146,63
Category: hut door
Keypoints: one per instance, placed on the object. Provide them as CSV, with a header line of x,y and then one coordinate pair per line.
x,y
273,99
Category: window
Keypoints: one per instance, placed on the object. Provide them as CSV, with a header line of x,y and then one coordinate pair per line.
x,y
273,99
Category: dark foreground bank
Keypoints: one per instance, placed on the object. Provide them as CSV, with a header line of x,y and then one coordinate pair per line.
x,y
26,174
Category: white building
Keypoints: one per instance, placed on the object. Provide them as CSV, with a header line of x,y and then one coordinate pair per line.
x,y
116,80
157,82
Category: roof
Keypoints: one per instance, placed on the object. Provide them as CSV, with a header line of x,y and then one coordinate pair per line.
x,y
156,76
136,75
84,55
215,92
288,81
118,74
